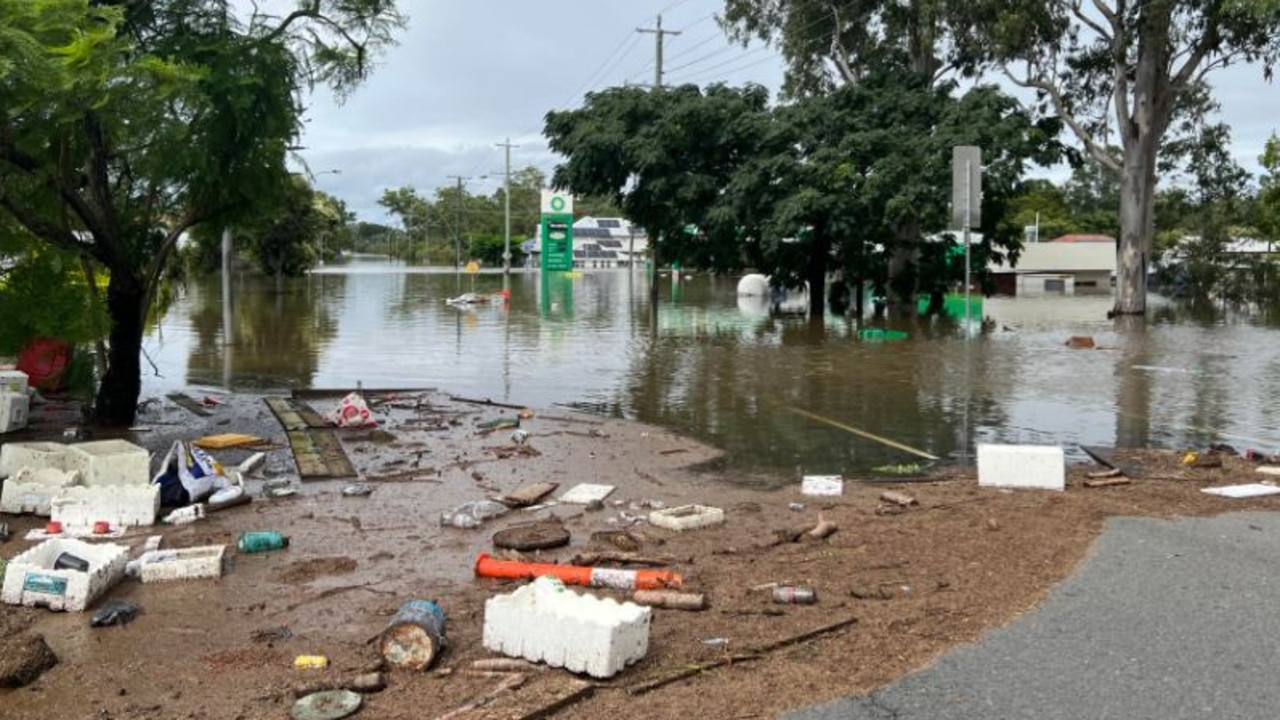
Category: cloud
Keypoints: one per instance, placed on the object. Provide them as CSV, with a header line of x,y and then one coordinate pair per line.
x,y
466,75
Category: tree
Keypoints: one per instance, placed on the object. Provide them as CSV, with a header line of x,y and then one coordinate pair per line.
x,y
1110,69
282,237
125,122
1127,67
663,157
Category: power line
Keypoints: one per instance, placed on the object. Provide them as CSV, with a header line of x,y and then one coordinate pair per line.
x,y
713,69
696,45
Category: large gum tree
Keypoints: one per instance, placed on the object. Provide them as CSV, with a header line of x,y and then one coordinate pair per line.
x,y
124,123
1116,71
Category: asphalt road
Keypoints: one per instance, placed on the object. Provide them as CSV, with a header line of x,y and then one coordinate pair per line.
x,y
1167,619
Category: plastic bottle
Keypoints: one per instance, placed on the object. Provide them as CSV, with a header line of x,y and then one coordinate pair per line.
x,y
265,541
472,514
184,515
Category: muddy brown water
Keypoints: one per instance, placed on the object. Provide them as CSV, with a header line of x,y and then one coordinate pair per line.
x,y
720,369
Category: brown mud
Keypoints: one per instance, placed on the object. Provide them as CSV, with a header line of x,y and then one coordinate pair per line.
x,y
914,579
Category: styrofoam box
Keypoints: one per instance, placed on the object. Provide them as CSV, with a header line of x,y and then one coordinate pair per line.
x,y
33,491
14,381
30,579
112,463
545,622
686,517
1022,466
127,506
184,564
822,485
13,411
15,456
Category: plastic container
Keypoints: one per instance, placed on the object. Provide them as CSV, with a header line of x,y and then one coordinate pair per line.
x,y
264,541
415,636
795,595
472,514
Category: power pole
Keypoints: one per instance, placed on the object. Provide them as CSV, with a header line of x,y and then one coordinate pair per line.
x,y
457,226
506,174
659,33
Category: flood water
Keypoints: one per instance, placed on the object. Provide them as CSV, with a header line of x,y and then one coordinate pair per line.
x,y
775,393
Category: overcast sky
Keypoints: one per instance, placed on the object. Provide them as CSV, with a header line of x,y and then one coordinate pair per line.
x,y
467,75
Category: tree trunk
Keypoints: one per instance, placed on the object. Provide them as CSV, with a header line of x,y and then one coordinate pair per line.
x,y
1137,203
117,399
903,271
816,274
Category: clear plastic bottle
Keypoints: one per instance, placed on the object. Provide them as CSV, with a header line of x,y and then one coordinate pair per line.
x,y
472,514
184,515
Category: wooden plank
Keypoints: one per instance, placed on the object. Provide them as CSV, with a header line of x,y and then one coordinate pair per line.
x,y
331,453
1107,482
285,413
186,401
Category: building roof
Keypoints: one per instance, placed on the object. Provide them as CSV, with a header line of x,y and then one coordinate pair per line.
x,y
1083,238
1062,257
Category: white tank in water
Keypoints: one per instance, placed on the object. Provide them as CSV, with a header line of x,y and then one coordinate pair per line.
x,y
754,285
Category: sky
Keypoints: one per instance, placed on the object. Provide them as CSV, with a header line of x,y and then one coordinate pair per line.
x,y
469,75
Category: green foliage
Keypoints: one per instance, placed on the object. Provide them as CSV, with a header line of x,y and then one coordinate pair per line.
x,y
123,124
46,295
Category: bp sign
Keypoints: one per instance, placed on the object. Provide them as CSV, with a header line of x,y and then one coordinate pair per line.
x,y
557,231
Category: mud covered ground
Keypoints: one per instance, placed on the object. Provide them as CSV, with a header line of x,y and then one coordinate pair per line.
x,y
898,585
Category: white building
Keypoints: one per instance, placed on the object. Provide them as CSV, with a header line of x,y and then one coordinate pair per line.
x,y
1058,268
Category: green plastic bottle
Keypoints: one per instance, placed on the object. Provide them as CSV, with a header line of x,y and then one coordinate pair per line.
x,y
255,542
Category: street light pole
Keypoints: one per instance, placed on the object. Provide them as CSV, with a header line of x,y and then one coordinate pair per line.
x,y
457,226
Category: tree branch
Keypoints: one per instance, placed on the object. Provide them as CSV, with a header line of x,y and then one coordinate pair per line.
x,y
27,164
1183,77
1120,67
1109,37
1098,152
43,229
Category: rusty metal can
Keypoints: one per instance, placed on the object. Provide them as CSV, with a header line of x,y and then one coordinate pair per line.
x,y
795,595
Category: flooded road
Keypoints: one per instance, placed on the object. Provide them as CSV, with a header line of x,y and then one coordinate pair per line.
x,y
728,374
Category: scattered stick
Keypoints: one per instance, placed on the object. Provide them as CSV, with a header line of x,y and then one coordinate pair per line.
x,y
898,498
755,654
512,681
673,451
581,692
689,671
822,529
1104,474
624,558
1107,482
488,402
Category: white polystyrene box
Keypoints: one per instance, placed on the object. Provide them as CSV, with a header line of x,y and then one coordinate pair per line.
x,y
36,455
112,463
545,622
1022,466
14,381
127,506
30,579
33,490
686,517
13,411
183,564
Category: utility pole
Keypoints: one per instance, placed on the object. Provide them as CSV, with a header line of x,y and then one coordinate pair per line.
x,y
506,174
659,33
457,226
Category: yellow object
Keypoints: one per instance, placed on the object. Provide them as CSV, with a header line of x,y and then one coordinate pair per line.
x,y
1189,458
226,440
310,662
473,267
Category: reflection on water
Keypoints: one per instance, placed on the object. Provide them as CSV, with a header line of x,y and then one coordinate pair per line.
x,y
726,372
